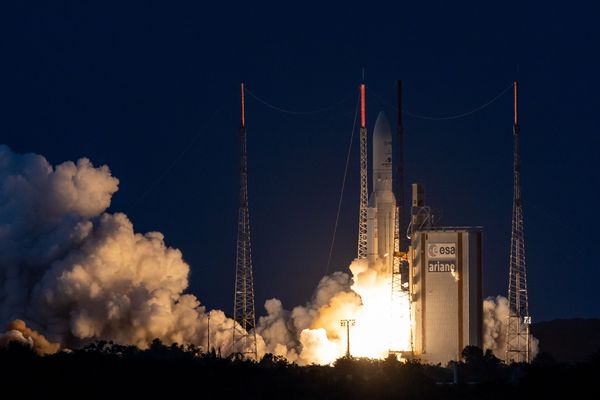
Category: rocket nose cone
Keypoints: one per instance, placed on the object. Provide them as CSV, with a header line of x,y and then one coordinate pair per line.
x,y
382,127
382,145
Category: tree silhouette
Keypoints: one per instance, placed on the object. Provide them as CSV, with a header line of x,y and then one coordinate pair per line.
x,y
472,354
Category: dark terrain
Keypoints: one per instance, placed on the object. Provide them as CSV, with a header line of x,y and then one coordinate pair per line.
x,y
106,370
568,340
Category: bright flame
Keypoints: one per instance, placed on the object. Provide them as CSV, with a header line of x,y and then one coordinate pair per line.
x,y
381,323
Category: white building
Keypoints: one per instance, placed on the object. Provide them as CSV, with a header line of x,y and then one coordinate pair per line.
x,y
445,276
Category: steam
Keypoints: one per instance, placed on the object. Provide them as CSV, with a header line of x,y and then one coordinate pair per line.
x,y
495,317
19,332
300,335
78,273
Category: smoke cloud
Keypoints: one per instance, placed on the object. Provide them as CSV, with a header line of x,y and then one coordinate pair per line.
x,y
495,318
19,332
78,273
303,335
495,315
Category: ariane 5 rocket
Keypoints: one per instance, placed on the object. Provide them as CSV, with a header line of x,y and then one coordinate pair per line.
x,y
381,213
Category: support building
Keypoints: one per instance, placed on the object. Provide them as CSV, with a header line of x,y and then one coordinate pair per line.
x,y
445,282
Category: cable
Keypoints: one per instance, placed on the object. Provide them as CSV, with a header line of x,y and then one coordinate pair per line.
x,y
168,169
337,217
449,117
283,110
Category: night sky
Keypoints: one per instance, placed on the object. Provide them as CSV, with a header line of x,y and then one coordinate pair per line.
x,y
152,90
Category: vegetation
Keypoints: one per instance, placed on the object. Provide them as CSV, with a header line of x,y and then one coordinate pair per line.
x,y
104,370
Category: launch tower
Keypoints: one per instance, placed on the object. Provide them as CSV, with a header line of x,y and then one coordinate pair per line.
x,y
517,335
243,304
364,180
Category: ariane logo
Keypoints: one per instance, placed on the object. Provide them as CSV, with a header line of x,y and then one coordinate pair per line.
x,y
441,266
441,251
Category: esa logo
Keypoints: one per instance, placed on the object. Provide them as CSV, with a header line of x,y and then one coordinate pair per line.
x,y
441,251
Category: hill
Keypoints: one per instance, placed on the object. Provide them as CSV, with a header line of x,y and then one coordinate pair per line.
x,y
568,340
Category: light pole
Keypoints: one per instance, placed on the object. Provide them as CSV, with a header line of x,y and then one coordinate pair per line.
x,y
348,323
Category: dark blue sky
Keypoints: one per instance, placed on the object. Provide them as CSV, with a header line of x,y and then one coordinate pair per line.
x,y
152,90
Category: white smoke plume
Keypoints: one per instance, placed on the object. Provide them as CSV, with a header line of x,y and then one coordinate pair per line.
x,y
14,336
495,318
19,332
303,334
495,315
78,273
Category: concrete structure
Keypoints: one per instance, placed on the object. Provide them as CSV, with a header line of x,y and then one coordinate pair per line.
x,y
445,284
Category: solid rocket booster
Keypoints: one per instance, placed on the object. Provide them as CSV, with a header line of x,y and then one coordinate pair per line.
x,y
381,213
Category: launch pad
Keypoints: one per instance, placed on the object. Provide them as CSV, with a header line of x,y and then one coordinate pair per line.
x,y
442,266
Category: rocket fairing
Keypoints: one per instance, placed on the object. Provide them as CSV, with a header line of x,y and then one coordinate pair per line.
x,y
382,202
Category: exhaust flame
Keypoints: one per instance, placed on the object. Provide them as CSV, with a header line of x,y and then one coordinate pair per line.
x,y
366,298
375,331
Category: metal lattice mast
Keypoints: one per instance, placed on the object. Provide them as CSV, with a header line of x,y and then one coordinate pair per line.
x,y
399,255
399,189
517,336
399,192
364,180
243,304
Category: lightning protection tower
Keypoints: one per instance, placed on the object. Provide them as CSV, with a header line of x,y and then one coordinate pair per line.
x,y
517,336
243,304
400,256
364,180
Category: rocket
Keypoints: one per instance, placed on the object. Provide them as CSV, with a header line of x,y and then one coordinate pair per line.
x,y
382,202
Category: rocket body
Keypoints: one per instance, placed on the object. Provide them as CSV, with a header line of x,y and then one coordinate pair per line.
x,y
381,212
